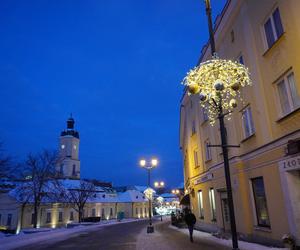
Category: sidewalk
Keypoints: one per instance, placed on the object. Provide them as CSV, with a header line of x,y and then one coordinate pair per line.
x,y
168,237
54,235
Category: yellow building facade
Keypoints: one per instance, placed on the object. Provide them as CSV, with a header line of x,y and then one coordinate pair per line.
x,y
265,169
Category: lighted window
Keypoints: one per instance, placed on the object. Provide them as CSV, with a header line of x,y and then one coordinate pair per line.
x,y
207,151
196,162
273,28
260,201
288,94
75,147
248,126
9,219
60,216
200,204
136,210
212,202
48,217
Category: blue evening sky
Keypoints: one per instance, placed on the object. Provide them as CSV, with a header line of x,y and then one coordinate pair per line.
x,y
115,64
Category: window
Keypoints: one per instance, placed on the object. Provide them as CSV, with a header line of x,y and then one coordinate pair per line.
x,y
212,202
200,204
60,216
74,170
32,218
273,28
288,94
241,60
193,127
9,219
136,210
260,201
141,210
102,213
247,120
204,115
207,150
111,212
61,169
145,211
196,158
94,212
48,217
71,216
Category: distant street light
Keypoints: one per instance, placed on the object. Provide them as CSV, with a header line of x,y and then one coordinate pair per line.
x,y
153,163
176,191
159,184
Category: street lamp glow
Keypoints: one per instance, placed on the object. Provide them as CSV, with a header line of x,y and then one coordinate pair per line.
x,y
154,162
156,184
162,183
142,163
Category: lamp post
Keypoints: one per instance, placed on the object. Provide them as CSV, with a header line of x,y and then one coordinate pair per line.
x,y
149,165
218,83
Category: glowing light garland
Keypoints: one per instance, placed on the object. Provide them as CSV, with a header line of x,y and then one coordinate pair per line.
x,y
218,83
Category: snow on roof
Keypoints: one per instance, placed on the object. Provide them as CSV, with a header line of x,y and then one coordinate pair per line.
x,y
140,188
131,196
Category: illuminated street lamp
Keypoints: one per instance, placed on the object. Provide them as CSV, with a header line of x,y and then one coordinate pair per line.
x,y
176,191
159,184
152,164
218,83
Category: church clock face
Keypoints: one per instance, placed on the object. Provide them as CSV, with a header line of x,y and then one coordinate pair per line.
x,y
63,146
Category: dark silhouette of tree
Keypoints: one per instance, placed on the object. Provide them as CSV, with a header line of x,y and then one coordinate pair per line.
x,y
79,195
6,165
38,174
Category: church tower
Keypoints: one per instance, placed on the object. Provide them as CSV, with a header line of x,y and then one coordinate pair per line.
x,y
69,152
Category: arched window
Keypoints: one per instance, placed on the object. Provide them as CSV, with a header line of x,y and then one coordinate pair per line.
x,y
61,170
74,170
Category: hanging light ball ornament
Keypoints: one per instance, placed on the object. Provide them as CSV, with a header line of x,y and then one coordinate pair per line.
x,y
236,86
219,84
202,97
194,89
233,103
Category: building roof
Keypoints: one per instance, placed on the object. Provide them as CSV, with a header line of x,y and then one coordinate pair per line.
x,y
131,196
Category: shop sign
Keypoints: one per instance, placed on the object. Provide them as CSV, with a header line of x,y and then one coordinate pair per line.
x,y
204,178
290,164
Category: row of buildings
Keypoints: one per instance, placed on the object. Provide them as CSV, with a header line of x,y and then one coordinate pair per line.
x,y
106,203
265,169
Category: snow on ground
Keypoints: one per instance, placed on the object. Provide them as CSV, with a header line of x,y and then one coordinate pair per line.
x,y
8,242
242,244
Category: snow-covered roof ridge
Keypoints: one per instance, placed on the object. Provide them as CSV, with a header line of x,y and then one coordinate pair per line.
x,y
131,196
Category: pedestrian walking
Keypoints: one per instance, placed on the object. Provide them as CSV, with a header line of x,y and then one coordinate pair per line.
x,y
190,220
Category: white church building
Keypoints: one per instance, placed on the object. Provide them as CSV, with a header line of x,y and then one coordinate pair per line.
x,y
106,203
